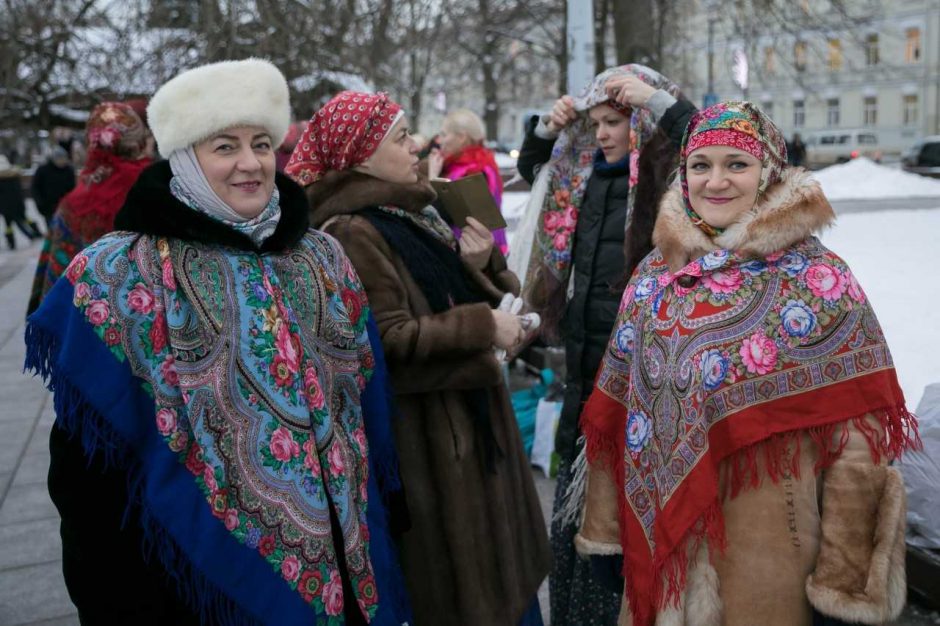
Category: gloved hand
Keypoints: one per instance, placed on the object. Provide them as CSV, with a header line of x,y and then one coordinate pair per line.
x,y
607,570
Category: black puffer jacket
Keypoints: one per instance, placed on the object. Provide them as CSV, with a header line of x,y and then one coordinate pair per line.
x,y
598,267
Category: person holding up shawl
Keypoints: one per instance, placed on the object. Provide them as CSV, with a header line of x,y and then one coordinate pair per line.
x,y
607,155
222,445
747,408
477,549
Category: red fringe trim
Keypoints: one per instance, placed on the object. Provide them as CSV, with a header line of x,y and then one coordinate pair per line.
x,y
742,470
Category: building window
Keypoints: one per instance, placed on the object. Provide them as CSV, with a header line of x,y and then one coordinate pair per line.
x,y
835,55
832,112
870,111
799,113
912,48
799,56
770,61
910,110
871,50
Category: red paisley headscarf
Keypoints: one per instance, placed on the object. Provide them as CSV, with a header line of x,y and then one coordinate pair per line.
x,y
342,134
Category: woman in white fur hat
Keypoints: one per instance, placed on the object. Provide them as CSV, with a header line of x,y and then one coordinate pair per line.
x,y
222,449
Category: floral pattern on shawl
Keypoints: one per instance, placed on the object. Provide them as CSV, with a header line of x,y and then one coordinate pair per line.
x,y
270,432
692,374
571,165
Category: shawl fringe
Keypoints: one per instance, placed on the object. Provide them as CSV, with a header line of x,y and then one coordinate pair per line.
x,y
80,419
743,470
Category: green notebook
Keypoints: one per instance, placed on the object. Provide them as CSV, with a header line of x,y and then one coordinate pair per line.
x,y
468,197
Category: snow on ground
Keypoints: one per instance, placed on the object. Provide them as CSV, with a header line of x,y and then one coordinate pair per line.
x,y
504,161
893,255
863,178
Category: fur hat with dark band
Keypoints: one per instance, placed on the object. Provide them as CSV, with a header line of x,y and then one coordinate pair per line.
x,y
204,100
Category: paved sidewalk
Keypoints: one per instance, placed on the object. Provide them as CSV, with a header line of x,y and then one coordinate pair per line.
x,y
31,587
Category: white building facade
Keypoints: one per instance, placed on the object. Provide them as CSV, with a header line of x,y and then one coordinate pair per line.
x,y
815,66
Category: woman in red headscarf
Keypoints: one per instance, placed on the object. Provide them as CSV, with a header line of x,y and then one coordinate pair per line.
x,y
116,138
477,549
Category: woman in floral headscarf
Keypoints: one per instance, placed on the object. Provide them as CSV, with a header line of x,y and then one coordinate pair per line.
x,y
747,406
477,550
116,138
607,155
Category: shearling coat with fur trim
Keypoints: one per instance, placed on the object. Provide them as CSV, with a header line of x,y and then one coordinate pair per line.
x,y
477,549
832,541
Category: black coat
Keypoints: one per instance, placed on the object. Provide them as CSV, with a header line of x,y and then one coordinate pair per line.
x,y
12,206
598,267
50,183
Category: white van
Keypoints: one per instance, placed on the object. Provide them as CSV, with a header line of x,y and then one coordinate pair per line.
x,y
838,146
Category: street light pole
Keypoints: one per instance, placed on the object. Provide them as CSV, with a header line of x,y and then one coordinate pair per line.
x,y
710,97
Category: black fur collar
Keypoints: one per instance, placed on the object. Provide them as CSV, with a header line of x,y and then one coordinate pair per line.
x,y
150,209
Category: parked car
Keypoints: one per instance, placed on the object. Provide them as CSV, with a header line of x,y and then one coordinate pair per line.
x,y
923,157
840,146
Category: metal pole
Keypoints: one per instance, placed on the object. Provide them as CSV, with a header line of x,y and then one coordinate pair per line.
x,y
580,44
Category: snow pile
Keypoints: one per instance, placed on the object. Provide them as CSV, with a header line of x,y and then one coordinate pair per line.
x,y
504,161
862,179
892,254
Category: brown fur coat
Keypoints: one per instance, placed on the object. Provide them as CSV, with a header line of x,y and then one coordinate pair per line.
x,y
832,541
477,549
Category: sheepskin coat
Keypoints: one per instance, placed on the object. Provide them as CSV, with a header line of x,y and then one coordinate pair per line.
x,y
830,540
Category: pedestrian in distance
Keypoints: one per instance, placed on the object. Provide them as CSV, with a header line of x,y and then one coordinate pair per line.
x,y
12,204
116,139
51,181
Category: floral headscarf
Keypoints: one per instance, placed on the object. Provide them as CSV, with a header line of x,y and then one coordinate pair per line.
x,y
570,167
115,128
741,125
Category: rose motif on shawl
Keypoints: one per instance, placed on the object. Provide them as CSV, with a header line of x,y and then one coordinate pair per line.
x,y
854,289
639,429
76,268
168,371
353,304
82,294
140,299
715,259
290,568
759,353
723,282
715,367
166,421
337,462
797,318
158,333
231,519
315,397
98,312
825,281
645,287
754,267
282,446
286,345
311,462
793,263
333,595
625,337
560,241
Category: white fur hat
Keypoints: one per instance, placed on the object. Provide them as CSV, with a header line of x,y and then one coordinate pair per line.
x,y
204,100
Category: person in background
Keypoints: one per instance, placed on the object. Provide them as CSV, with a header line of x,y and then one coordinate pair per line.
x,y
477,549
51,181
116,138
12,205
283,153
461,153
615,148
747,410
796,151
